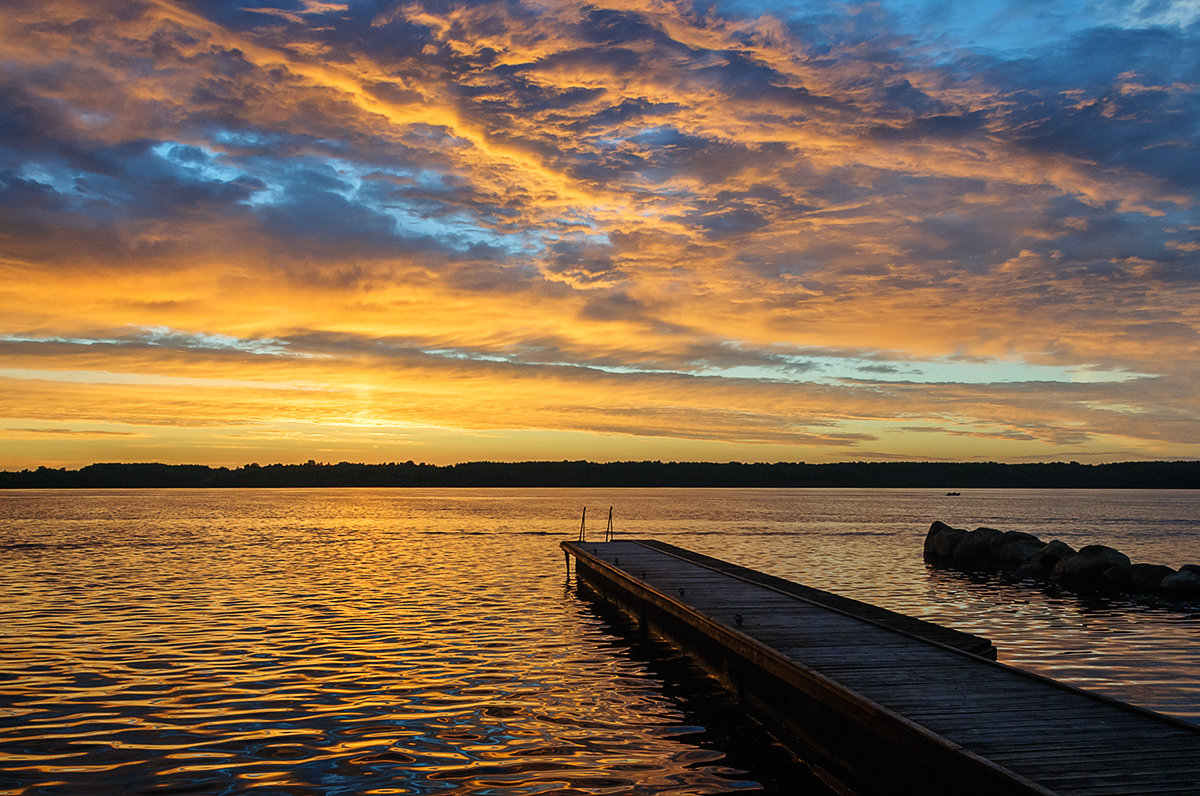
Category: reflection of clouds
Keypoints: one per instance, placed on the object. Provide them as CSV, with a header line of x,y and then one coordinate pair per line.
x,y
669,204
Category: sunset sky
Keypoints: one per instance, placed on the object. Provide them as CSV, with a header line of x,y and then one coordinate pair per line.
x,y
240,231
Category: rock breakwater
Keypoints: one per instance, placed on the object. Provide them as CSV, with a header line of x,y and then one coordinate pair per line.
x,y
1022,556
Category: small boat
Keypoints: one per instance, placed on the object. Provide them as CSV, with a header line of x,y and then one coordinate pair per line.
x,y
954,494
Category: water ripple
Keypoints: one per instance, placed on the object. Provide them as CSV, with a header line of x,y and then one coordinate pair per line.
x,y
217,643
429,641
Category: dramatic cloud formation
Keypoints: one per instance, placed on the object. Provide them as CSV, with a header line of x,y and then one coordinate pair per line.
x,y
437,230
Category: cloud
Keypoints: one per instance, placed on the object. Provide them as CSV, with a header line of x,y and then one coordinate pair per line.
x,y
726,215
66,432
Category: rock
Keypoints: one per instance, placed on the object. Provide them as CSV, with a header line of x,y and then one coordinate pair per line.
x,y
1118,578
1094,568
941,541
1146,578
1084,571
1182,584
1014,548
1043,562
974,551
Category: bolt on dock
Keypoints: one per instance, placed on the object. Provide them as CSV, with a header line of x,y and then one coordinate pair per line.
x,y
880,702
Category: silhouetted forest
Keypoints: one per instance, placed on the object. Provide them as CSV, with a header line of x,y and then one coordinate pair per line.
x,y
940,475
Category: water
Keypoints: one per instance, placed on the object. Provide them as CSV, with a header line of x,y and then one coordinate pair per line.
x,y
428,641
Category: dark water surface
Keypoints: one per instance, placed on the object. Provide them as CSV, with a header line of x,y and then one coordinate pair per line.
x,y
427,641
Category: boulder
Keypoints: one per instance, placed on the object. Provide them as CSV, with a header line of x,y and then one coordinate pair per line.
x,y
1043,562
941,541
1118,578
1183,584
1146,578
1014,548
974,551
1023,556
1084,571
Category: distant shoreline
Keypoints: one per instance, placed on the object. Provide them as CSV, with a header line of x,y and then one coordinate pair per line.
x,y
933,475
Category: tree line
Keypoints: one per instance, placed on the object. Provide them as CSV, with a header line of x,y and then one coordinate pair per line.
x,y
940,475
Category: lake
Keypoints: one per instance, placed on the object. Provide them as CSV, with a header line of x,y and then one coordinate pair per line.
x,y
428,641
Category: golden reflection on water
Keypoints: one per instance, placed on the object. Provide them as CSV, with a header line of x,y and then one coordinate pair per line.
x,y
361,642
421,641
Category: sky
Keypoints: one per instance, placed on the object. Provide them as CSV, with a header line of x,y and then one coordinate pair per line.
x,y
239,231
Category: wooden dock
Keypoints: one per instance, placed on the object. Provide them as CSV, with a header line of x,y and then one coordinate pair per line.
x,y
885,703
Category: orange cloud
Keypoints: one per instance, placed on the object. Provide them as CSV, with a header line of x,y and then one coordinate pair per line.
x,y
641,222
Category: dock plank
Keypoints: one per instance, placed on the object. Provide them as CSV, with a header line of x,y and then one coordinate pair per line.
x,y
929,698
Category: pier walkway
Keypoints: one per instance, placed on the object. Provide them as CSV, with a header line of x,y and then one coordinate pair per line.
x,y
885,703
